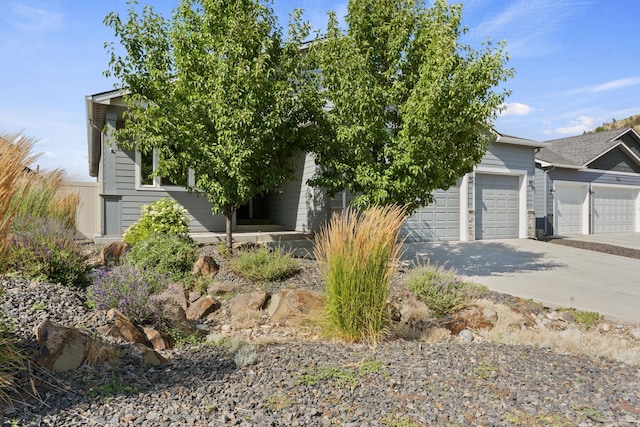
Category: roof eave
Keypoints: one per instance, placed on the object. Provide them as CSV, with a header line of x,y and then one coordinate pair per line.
x,y
521,141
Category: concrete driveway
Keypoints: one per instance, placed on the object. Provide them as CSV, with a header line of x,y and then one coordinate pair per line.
x,y
549,273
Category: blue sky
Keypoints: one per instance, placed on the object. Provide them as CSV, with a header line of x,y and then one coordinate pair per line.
x,y
577,65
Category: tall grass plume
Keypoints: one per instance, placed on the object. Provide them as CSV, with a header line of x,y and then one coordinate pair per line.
x,y
358,253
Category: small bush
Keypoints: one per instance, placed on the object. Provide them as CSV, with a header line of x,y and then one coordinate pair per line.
x,y
264,265
45,249
164,216
440,289
169,254
358,254
127,288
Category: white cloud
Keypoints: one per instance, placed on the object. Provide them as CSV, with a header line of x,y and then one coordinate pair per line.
x,y
617,84
577,126
516,109
528,26
33,20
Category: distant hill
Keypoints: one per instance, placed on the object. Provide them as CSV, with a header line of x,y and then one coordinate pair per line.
x,y
619,124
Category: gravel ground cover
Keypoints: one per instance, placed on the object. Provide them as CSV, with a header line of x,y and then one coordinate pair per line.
x,y
291,380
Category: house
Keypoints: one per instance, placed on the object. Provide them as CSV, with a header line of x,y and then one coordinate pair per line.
x,y
496,200
589,184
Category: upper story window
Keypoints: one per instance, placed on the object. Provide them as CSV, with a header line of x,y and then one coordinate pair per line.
x,y
146,164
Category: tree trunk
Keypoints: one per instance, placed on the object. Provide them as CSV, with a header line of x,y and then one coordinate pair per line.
x,y
228,213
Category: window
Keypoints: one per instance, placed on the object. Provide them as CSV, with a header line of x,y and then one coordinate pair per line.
x,y
146,164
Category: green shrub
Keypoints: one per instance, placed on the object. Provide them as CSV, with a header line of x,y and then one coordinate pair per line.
x,y
164,216
358,254
173,255
45,249
127,288
264,265
441,290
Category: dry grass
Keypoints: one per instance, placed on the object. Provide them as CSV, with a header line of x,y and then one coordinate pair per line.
x,y
358,254
591,343
15,158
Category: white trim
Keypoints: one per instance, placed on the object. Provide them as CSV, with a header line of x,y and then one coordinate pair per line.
x,y
585,204
522,193
624,147
613,173
464,208
156,186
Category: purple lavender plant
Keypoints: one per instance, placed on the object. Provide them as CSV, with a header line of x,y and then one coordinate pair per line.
x,y
127,288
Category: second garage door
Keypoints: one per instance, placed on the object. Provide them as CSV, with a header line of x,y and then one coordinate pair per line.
x,y
571,214
438,221
496,206
614,210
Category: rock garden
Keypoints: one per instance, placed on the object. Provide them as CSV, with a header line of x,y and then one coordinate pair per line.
x,y
159,331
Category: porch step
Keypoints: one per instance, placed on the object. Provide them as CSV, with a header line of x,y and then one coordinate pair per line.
x,y
259,228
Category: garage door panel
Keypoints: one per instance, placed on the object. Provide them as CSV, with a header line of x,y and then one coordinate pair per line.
x,y
439,221
614,209
497,202
570,205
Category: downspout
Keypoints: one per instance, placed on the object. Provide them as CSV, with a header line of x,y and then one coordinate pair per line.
x,y
547,191
590,195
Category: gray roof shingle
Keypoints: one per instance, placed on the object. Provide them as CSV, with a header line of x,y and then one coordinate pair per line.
x,y
579,150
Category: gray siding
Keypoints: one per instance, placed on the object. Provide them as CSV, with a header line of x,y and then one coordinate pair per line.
x,y
631,142
122,183
594,177
300,207
514,157
615,160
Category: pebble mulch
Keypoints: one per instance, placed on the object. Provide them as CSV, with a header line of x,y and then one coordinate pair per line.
x,y
317,383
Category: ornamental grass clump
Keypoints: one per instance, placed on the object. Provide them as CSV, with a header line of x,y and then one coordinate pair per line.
x,y
358,254
164,216
127,288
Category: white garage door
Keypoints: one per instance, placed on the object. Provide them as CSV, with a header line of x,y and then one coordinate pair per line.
x,y
570,209
497,204
614,210
438,221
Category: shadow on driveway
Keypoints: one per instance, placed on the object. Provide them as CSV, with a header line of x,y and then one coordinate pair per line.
x,y
479,258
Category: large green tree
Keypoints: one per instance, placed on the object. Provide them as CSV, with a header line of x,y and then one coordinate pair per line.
x,y
218,90
410,106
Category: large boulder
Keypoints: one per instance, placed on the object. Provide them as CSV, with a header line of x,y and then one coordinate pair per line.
x,y
293,302
62,348
160,340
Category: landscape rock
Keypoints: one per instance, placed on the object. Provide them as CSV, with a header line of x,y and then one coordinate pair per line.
x,y
222,288
466,335
206,266
635,333
62,348
472,317
252,301
176,317
147,355
173,294
567,316
121,327
113,252
293,302
159,340
202,307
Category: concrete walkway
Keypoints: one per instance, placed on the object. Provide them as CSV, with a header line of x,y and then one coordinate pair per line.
x,y
552,274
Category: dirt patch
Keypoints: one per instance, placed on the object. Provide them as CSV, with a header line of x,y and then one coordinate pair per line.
x,y
598,247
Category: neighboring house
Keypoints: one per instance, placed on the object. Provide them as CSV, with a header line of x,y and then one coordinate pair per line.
x,y
589,184
494,201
